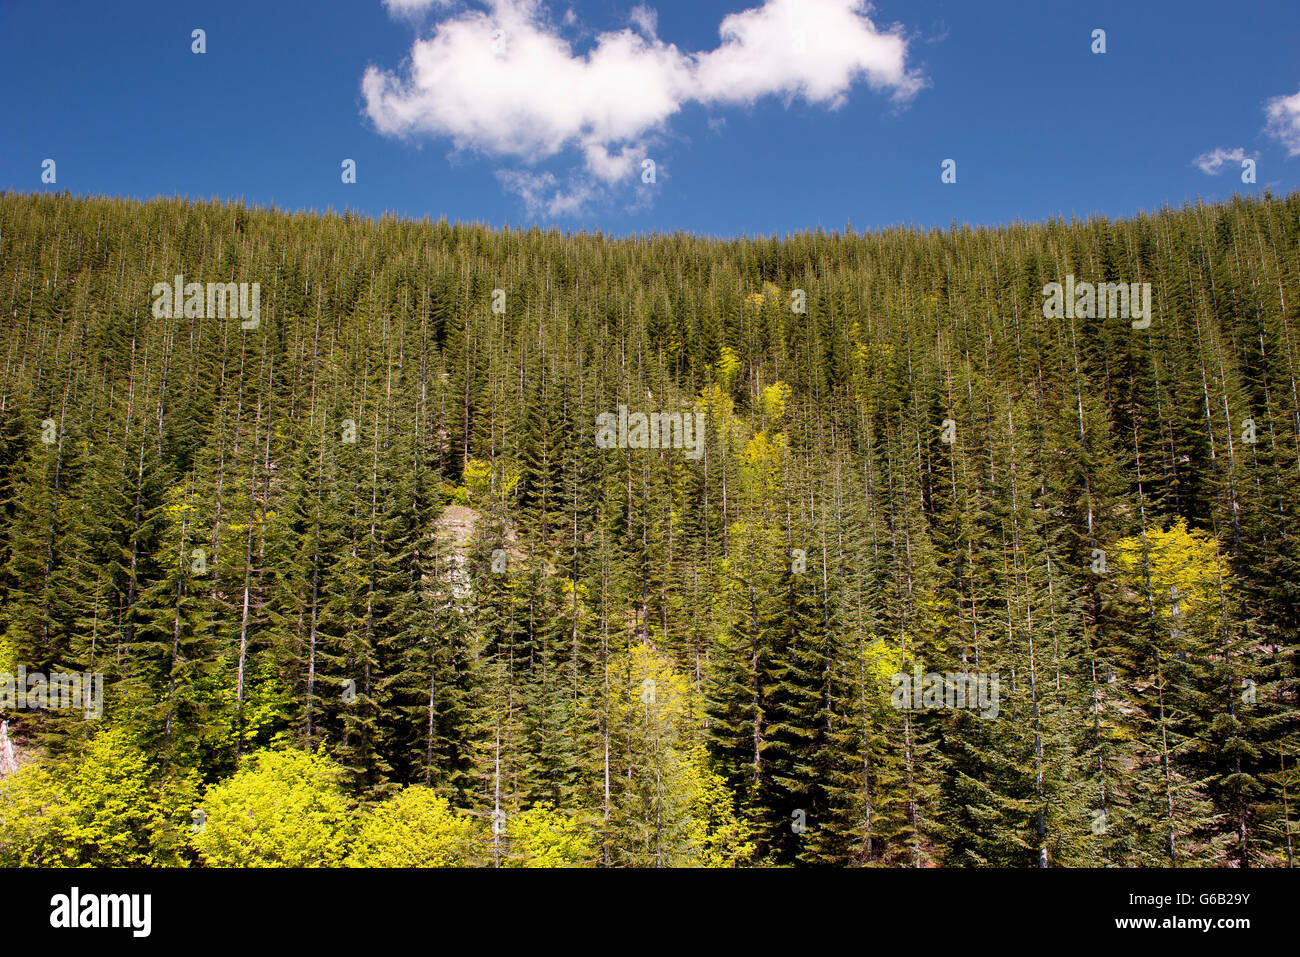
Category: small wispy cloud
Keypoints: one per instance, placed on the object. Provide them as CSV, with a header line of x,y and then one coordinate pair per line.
x,y
544,195
1212,163
412,7
500,78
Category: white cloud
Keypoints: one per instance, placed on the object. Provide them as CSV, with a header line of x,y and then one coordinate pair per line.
x,y
543,195
503,82
611,167
412,7
1212,162
1283,114
813,48
645,20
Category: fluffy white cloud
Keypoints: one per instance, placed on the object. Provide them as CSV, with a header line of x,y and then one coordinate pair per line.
x,y
1212,162
815,49
1283,114
503,81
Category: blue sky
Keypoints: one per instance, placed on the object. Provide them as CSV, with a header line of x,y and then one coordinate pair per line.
x,y
763,132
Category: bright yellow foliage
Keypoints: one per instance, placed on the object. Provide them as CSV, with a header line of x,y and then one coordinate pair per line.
x,y
715,834
773,400
480,486
417,828
763,462
280,809
727,367
545,837
101,811
1178,559
695,820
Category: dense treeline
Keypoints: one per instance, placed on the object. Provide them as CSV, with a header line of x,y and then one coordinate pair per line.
x,y
367,555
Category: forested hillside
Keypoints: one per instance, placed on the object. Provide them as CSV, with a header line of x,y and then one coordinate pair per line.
x,y
364,589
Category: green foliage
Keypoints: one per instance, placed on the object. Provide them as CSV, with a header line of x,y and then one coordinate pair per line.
x,y
545,837
716,834
369,555
416,828
280,809
728,365
106,808
33,819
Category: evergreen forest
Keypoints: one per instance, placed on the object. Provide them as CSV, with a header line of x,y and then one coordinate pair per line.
x,y
363,586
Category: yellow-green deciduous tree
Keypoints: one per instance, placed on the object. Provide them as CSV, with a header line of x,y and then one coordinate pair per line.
x,y
417,828
545,837
281,809
101,807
